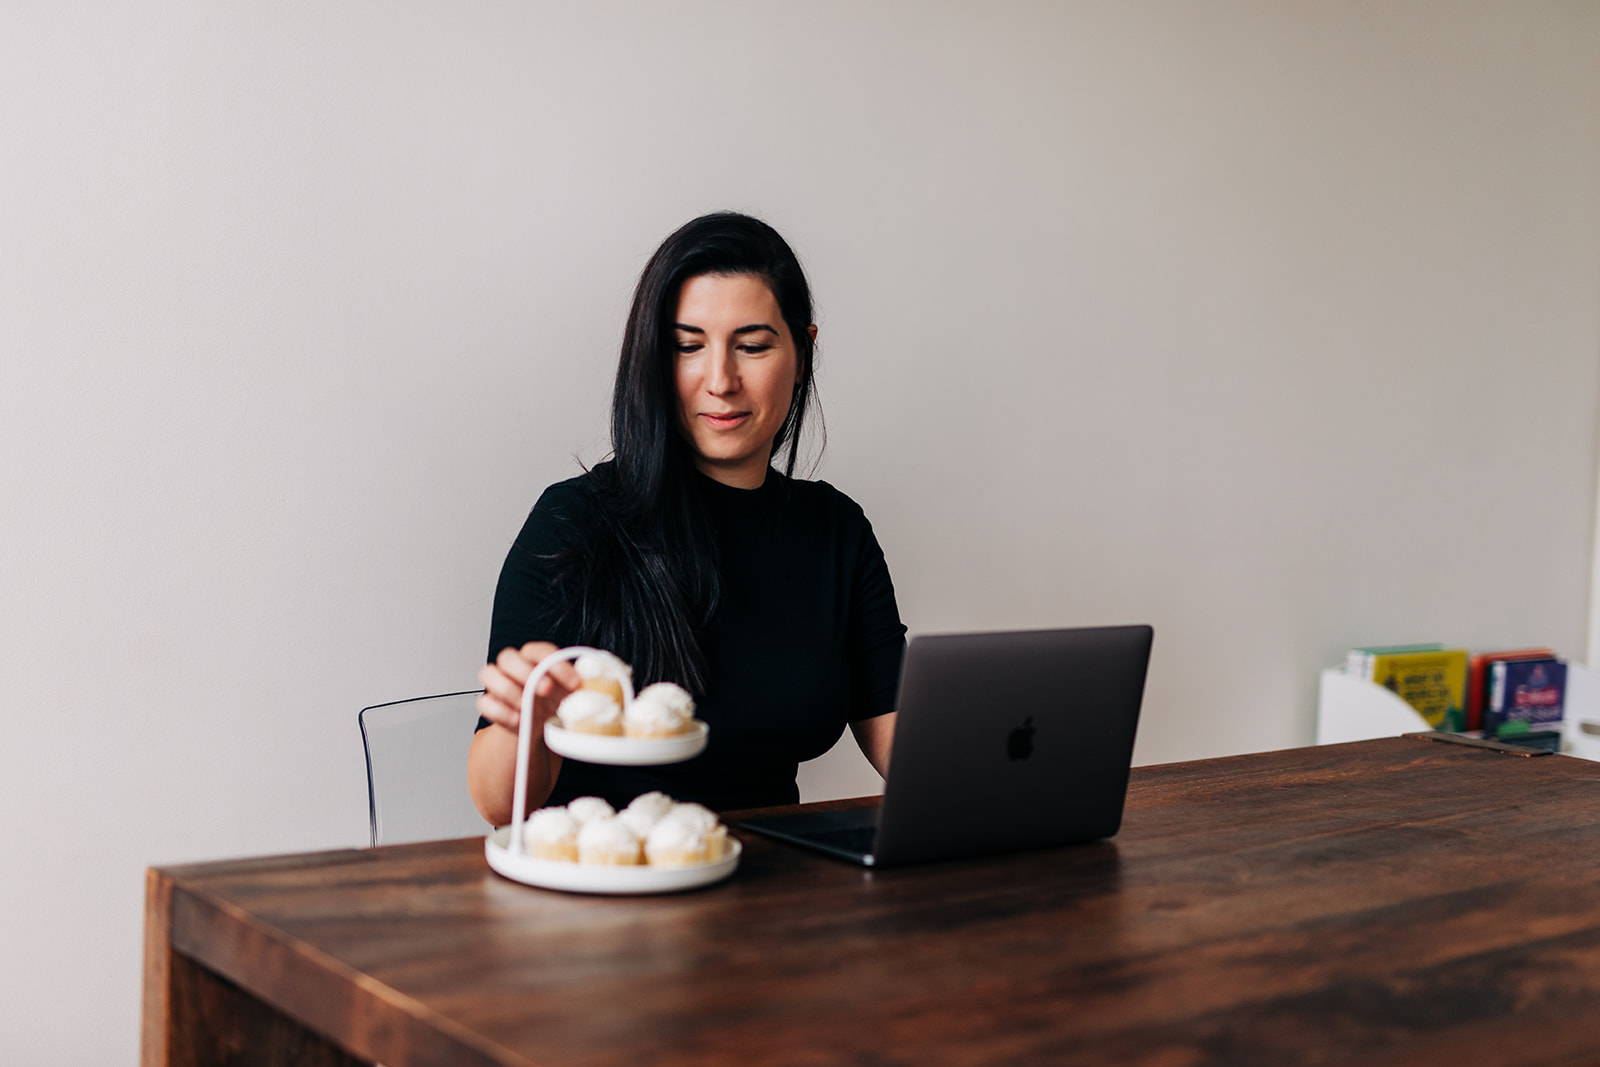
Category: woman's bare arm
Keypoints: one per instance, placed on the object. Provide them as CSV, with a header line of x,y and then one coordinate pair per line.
x,y
876,738
492,759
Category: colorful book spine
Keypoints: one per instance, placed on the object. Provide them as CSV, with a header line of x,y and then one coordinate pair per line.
x,y
1478,673
1432,679
1525,696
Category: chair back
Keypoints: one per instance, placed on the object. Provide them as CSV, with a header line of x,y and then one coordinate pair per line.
x,y
417,768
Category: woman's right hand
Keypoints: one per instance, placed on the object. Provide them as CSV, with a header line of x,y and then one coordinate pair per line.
x,y
504,679
492,759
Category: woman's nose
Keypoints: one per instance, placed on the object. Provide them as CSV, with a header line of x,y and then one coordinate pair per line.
x,y
722,376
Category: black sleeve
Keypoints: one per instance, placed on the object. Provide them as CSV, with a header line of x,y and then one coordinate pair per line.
x,y
528,601
877,637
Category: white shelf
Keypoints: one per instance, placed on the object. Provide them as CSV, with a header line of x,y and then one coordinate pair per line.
x,y
1349,709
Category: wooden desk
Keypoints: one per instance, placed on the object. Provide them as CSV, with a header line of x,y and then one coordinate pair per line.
x,y
1385,902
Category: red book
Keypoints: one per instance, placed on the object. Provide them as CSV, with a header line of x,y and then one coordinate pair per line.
x,y
1478,669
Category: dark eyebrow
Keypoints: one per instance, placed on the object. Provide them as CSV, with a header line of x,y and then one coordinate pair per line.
x,y
754,328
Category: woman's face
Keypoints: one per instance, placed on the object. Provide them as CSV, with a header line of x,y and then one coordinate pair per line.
x,y
736,372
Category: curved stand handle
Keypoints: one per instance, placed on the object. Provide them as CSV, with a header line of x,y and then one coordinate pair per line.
x,y
519,794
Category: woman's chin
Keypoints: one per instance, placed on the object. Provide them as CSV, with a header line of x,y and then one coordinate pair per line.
x,y
743,471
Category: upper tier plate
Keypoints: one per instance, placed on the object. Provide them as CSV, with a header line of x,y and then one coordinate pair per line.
x,y
626,751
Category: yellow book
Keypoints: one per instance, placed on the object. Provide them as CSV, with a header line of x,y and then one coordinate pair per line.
x,y
1434,681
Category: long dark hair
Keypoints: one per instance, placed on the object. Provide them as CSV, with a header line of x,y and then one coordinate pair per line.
x,y
641,575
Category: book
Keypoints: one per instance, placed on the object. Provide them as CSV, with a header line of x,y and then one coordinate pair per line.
x,y
1431,678
1358,661
1478,671
1524,696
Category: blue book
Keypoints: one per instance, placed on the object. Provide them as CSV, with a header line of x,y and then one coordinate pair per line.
x,y
1524,695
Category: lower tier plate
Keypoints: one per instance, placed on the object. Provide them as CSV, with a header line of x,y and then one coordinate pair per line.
x,y
594,878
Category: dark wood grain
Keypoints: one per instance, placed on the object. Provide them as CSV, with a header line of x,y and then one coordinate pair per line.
x,y
220,1025
1389,902
156,1003
194,1018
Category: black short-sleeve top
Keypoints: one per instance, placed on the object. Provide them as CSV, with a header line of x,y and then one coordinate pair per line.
x,y
806,637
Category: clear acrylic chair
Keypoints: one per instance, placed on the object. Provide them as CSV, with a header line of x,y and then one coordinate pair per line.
x,y
417,768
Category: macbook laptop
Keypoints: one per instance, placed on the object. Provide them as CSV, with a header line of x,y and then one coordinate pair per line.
x,y
1004,741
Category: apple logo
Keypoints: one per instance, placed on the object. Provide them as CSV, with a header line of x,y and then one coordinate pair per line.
x,y
1019,744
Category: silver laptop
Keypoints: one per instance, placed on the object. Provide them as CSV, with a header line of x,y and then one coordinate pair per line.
x,y
1004,741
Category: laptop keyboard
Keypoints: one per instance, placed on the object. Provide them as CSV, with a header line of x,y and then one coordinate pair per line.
x,y
851,839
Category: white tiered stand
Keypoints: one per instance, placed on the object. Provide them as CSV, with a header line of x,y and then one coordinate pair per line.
x,y
507,852
1349,709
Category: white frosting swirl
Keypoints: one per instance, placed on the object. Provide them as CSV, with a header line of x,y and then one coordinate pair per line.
x,y
587,809
674,697
594,665
697,818
645,811
588,707
552,826
656,712
608,835
675,835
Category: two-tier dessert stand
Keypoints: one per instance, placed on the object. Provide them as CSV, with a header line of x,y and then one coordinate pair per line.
x,y
505,848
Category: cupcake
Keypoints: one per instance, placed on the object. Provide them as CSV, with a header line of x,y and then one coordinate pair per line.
x,y
608,841
645,811
674,843
588,809
602,674
552,834
700,820
587,711
660,710
695,816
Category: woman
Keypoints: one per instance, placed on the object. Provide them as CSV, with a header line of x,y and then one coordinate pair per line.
x,y
765,596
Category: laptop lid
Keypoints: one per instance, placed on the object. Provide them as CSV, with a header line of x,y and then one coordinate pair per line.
x,y
1004,741
1012,740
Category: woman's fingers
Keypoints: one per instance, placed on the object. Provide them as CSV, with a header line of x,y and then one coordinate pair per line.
x,y
498,712
498,682
501,701
515,665
563,672
504,679
560,679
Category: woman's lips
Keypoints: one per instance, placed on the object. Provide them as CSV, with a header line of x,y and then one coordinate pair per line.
x,y
725,421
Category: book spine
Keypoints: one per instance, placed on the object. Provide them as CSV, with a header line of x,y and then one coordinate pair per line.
x,y
1477,667
1494,701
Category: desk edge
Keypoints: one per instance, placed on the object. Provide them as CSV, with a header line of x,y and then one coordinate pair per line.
x,y
286,973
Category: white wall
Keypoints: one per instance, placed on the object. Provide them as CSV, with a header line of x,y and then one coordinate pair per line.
x,y
1275,325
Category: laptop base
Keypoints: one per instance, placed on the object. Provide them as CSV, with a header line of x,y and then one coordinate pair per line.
x,y
848,835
